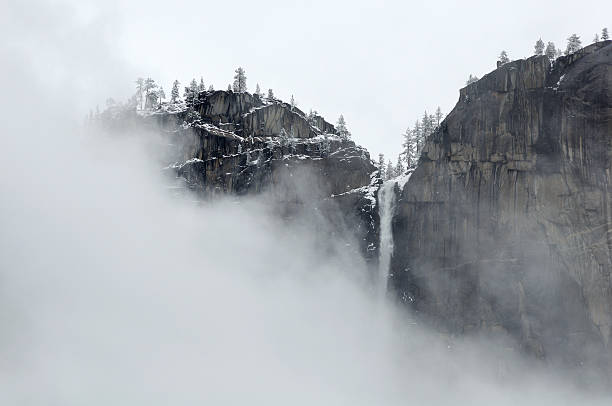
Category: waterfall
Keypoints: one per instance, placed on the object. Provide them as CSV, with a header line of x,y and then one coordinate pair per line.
x,y
386,204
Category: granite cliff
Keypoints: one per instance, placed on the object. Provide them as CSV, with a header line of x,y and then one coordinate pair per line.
x,y
237,143
505,225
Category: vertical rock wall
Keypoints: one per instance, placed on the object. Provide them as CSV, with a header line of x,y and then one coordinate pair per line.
x,y
504,227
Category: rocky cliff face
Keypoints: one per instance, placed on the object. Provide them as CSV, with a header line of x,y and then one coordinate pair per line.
x,y
238,144
505,226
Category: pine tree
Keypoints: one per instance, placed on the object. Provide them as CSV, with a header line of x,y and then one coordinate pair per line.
x,y
539,47
573,44
240,80
471,80
211,88
426,130
174,94
390,171
409,148
551,51
342,129
417,135
191,92
604,34
270,94
381,166
292,102
596,39
229,88
149,86
439,116
258,91
503,58
194,87
201,87
399,167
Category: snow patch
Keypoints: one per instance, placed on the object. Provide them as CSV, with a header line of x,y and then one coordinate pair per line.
x,y
559,82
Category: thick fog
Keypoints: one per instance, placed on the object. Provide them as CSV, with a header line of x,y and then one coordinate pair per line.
x,y
114,290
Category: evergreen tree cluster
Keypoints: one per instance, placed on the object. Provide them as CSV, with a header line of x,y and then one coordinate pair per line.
x,y
503,58
471,79
389,171
574,44
412,144
148,94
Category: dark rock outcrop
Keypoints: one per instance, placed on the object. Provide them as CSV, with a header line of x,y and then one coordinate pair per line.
x,y
505,225
238,144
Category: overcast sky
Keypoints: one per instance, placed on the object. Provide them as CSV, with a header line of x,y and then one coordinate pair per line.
x,y
380,63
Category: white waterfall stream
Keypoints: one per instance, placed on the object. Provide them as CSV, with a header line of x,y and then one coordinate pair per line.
x,y
386,205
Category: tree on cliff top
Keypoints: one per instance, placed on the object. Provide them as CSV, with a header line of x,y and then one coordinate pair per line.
x,y
539,47
551,51
149,86
471,80
342,130
503,58
439,116
191,92
270,94
604,34
174,94
427,128
240,80
573,44
409,148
